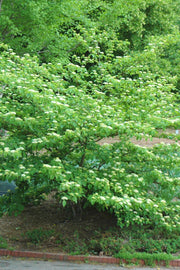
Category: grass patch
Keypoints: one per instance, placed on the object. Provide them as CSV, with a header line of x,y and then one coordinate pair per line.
x,y
149,259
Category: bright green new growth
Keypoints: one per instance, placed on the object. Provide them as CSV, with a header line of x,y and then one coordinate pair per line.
x,y
52,141
52,116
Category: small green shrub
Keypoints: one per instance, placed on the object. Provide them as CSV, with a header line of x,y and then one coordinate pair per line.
x,y
141,240
156,245
73,245
3,243
38,235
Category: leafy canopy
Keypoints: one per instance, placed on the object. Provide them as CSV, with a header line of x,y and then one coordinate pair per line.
x,y
114,71
54,121
50,29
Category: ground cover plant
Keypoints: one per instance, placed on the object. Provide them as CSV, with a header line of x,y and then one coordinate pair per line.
x,y
81,81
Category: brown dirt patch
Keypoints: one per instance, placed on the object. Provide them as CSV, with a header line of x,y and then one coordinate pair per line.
x,y
145,142
151,143
142,142
49,216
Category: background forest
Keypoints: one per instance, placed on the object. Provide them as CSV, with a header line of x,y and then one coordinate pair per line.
x,y
74,72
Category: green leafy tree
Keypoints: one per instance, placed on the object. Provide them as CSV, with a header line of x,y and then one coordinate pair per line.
x,y
37,27
167,50
114,71
54,121
51,29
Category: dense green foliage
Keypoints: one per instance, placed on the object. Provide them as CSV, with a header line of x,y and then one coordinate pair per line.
x,y
52,29
114,71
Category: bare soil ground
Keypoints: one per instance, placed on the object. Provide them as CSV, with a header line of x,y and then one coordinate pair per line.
x,y
49,216
144,142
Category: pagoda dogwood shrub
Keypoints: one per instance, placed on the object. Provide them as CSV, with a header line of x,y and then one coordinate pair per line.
x,y
53,126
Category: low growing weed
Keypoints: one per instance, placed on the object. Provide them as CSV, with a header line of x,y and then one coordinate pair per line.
x,y
156,246
38,235
74,245
3,243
